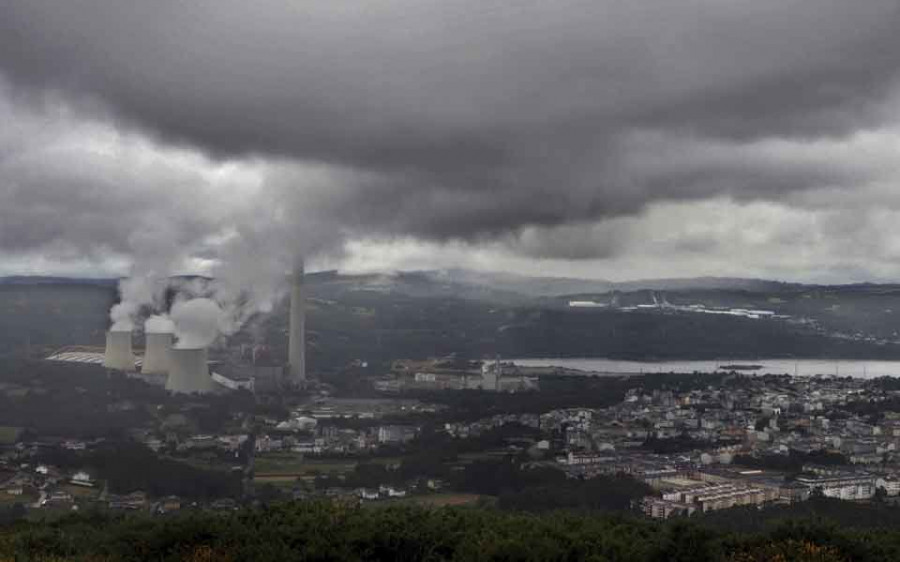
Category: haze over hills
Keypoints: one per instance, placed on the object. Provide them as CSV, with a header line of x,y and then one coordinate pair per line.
x,y
559,286
435,313
466,282
51,280
496,284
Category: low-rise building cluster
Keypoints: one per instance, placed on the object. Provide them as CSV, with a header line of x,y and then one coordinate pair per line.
x,y
743,441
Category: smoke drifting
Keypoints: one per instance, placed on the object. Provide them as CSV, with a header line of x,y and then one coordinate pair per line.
x,y
159,325
135,293
198,322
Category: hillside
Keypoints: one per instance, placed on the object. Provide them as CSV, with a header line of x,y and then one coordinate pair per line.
x,y
379,318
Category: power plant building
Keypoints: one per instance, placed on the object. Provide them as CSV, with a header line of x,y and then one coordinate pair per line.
x,y
188,370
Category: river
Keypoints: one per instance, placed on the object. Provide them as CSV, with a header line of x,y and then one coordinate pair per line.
x,y
801,367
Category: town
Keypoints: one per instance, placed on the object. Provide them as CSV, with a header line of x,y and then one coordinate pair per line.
x,y
685,444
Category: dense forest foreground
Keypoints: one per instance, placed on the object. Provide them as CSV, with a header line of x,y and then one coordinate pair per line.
x,y
328,531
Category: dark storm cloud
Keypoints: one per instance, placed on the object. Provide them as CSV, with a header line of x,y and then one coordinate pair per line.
x,y
471,119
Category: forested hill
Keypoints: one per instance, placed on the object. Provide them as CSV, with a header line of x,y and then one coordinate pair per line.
x,y
382,318
323,531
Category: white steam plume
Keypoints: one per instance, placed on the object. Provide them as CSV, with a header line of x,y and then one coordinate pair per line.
x,y
135,293
159,324
198,322
249,260
156,254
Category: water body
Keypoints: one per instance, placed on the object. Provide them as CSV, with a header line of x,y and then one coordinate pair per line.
x,y
801,367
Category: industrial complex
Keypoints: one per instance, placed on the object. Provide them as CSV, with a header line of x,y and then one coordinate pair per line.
x,y
180,369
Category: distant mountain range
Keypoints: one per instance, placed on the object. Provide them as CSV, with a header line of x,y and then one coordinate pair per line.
x,y
50,280
498,285
428,313
560,286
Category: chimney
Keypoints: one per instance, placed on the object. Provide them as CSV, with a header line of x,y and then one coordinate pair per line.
x,y
297,335
189,371
118,351
156,353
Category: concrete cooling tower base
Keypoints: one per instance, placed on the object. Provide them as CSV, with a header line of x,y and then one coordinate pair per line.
x,y
118,351
189,372
156,354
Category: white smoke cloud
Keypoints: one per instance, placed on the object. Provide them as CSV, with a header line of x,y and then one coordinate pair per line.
x,y
198,322
135,293
159,324
247,251
122,316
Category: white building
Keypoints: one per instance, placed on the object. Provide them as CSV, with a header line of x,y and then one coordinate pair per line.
x,y
849,487
82,478
889,484
395,433
587,304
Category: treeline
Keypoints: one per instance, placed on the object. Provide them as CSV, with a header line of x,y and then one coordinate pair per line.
x,y
541,488
324,531
51,399
639,335
678,444
516,487
555,392
71,400
829,512
128,466
566,391
38,315
603,493
873,411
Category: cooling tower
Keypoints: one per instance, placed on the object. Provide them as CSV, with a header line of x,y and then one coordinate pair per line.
x,y
156,354
297,336
118,351
188,371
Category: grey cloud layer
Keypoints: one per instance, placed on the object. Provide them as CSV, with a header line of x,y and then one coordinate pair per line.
x,y
72,188
445,120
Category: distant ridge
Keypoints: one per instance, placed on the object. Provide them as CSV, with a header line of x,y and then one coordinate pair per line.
x,y
503,286
51,280
561,286
707,283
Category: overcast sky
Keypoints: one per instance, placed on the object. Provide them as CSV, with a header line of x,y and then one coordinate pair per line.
x,y
613,139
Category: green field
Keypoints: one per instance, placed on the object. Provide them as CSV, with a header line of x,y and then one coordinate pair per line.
x,y
9,434
9,499
277,481
48,514
81,492
204,462
281,464
387,461
440,500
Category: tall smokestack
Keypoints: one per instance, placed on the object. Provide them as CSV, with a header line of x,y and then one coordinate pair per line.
x,y
297,337
189,371
156,354
118,351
